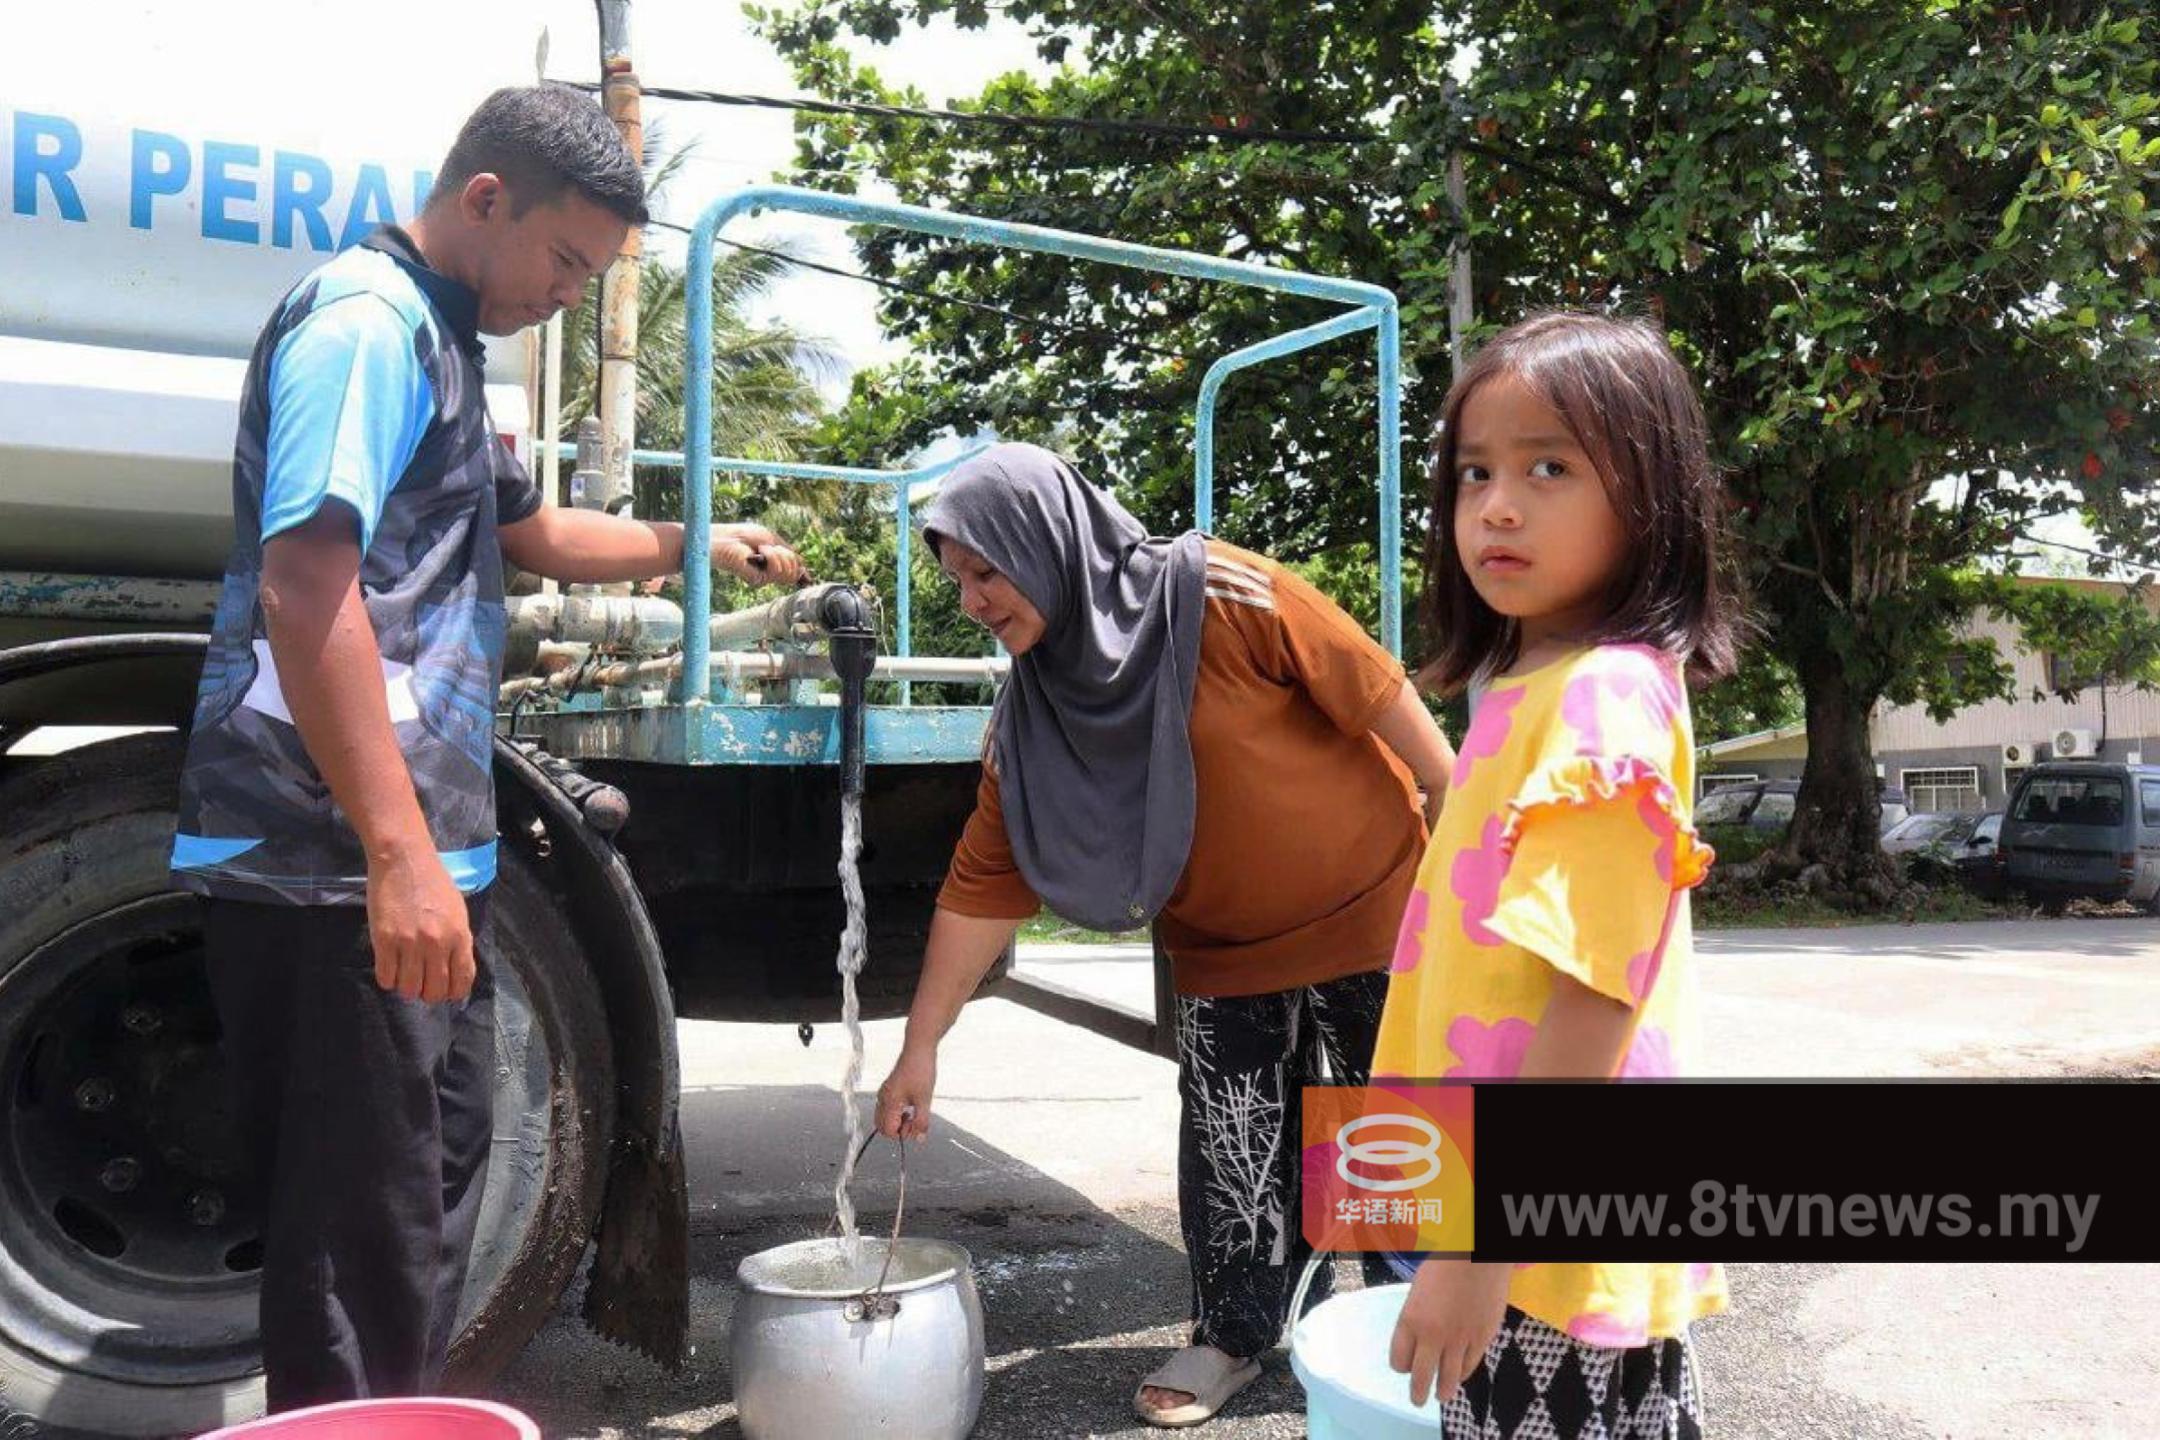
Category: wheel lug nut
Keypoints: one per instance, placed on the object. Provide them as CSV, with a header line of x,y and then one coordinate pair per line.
x,y
206,1207
142,1020
121,1175
95,1095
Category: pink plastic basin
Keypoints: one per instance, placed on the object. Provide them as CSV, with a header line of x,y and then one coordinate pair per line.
x,y
389,1420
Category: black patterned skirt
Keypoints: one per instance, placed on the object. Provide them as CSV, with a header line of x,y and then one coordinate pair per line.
x,y
1538,1383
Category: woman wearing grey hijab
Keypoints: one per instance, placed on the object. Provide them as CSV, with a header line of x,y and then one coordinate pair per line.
x,y
1191,738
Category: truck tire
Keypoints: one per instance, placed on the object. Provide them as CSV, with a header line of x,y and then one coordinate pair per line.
x,y
128,1243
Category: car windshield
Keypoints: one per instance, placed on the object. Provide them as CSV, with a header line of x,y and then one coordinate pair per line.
x,y
2072,800
1989,828
1926,829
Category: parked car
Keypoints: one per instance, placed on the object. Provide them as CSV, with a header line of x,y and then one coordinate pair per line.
x,y
1768,805
1936,832
1979,860
2085,830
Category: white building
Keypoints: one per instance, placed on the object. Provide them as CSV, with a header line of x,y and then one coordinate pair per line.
x,y
1972,760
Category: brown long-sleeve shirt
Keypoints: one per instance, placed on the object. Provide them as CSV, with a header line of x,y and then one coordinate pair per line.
x,y
1306,829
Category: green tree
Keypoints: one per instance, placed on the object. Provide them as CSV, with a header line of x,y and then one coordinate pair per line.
x,y
1907,246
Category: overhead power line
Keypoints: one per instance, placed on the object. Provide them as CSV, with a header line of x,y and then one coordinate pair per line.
x,y
1152,129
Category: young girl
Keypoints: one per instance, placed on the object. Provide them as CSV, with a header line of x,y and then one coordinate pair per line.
x,y
1572,577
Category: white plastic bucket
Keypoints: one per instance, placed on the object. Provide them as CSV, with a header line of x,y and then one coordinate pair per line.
x,y
1340,1354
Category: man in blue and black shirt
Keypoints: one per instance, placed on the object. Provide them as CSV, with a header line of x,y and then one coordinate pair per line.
x,y
338,808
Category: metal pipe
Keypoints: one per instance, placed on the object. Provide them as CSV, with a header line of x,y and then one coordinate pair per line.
x,y
904,586
1288,343
551,358
796,617
1391,477
614,622
1377,303
953,226
755,665
793,470
740,667
604,677
126,600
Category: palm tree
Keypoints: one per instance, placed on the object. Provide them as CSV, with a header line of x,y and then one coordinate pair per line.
x,y
766,377
766,399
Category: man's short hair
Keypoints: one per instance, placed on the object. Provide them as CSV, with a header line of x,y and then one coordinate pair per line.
x,y
542,140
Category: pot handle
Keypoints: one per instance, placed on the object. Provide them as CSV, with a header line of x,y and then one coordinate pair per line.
x,y
874,1303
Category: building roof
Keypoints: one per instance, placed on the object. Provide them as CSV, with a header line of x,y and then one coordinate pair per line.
x,y
1742,744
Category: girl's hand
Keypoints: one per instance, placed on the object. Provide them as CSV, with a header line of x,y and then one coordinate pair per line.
x,y
1453,1313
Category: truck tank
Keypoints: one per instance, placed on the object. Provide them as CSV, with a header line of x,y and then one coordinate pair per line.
x,y
150,219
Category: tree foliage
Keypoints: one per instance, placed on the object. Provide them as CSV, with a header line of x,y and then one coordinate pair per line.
x,y
1907,247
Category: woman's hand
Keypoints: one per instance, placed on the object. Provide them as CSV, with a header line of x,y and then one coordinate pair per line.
x,y
1449,1321
903,1107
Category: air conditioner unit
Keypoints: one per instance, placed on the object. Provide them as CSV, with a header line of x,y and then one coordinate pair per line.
x,y
2074,744
2016,755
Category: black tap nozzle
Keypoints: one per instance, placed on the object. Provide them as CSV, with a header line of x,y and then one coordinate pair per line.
x,y
844,608
851,645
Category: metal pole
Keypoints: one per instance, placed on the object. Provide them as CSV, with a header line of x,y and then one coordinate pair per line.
x,y
1458,309
904,587
1211,384
1391,478
697,474
619,96
551,358
549,352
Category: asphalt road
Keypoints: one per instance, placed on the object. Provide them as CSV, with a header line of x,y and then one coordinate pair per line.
x,y
1053,1162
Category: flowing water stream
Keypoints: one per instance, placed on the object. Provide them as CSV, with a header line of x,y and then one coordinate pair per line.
x,y
852,948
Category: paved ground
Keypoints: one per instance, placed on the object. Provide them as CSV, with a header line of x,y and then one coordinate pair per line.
x,y
1053,1162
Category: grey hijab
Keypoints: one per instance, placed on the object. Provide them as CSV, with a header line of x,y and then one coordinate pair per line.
x,y
1090,736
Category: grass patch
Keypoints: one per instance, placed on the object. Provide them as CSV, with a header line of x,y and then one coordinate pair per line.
x,y
1731,910
1049,929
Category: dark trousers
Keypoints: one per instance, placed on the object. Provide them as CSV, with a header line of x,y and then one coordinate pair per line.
x,y
366,1118
1242,1062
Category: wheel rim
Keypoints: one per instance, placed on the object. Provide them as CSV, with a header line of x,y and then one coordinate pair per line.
x,y
130,1245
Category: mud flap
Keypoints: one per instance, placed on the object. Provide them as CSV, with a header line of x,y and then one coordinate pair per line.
x,y
644,1235
639,1293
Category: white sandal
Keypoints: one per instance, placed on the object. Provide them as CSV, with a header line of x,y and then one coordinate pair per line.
x,y
1204,1373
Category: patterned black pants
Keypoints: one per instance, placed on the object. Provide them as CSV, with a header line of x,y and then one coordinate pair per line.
x,y
1540,1384
1242,1061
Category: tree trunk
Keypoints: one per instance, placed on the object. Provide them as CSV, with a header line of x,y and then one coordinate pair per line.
x,y
1836,822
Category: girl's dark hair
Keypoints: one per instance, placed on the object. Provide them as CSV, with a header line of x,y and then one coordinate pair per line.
x,y
1630,404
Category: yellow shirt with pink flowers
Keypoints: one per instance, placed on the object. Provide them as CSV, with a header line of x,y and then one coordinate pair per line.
x,y
1567,846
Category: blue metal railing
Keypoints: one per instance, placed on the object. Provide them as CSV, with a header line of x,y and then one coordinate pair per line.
x,y
902,481
1374,308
